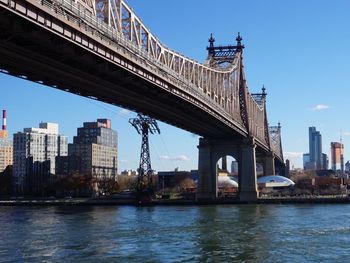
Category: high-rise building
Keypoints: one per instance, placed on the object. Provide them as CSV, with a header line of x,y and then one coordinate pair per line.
x,y
6,148
347,167
315,147
306,162
95,149
6,153
325,161
337,156
234,167
34,152
315,159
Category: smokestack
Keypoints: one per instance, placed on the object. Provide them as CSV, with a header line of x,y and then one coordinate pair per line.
x,y
4,120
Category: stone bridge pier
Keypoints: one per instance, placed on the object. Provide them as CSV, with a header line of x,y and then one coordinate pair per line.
x,y
268,161
211,150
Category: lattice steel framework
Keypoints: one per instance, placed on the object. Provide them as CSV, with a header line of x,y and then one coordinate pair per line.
x,y
144,125
275,137
220,82
221,78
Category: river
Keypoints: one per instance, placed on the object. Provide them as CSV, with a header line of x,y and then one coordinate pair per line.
x,y
221,233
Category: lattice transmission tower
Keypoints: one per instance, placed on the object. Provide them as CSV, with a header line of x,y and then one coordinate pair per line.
x,y
144,125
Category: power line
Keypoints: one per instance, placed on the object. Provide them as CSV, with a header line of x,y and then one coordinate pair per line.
x,y
99,104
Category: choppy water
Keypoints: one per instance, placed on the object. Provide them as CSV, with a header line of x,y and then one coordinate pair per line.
x,y
227,233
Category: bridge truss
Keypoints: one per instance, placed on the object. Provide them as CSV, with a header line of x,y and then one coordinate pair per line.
x,y
221,78
218,83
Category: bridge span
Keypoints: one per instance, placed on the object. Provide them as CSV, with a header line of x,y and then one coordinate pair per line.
x,y
102,50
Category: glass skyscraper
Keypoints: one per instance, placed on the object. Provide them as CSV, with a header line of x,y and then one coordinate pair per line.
x,y
315,148
315,159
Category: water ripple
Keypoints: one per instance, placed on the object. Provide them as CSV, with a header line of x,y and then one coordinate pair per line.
x,y
252,233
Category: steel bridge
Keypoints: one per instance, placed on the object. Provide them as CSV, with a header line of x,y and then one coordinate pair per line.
x,y
102,50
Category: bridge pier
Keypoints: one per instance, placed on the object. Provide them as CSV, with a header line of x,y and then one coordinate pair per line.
x,y
207,179
210,151
247,172
269,164
281,169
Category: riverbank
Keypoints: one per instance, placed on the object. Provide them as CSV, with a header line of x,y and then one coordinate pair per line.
x,y
169,202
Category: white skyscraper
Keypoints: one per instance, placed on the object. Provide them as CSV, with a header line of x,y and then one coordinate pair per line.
x,y
34,151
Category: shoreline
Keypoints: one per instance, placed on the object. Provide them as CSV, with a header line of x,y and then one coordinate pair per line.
x,y
171,202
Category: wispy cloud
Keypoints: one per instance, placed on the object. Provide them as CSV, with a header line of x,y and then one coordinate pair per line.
x,y
181,158
124,112
319,107
124,161
347,133
293,154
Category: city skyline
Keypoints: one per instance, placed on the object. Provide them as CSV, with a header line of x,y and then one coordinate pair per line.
x,y
300,60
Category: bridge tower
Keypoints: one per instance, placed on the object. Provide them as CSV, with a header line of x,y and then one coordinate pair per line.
x,y
144,125
267,159
242,149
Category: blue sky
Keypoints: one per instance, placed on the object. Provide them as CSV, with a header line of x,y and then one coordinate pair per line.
x,y
298,49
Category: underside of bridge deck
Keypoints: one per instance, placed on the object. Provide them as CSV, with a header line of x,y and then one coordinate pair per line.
x,y
34,53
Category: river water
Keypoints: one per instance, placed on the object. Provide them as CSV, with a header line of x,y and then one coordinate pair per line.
x,y
221,233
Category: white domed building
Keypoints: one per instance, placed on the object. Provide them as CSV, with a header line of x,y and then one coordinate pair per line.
x,y
227,186
274,183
